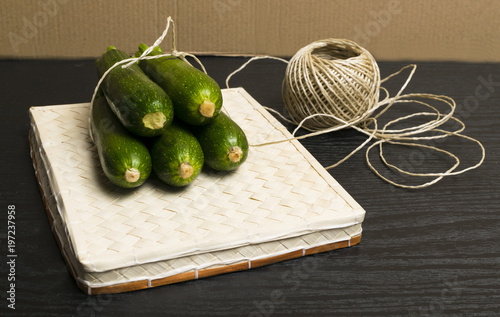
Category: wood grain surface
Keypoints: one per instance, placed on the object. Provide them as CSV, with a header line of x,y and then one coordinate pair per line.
x,y
428,252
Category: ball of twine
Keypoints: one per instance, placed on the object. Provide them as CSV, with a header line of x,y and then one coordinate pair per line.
x,y
335,78
334,84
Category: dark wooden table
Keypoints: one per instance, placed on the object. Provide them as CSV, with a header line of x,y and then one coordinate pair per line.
x,y
428,252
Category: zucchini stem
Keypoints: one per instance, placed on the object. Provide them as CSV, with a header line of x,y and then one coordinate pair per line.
x,y
142,47
155,120
185,170
207,108
132,175
235,154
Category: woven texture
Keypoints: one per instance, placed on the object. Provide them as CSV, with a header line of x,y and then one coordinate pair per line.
x,y
280,200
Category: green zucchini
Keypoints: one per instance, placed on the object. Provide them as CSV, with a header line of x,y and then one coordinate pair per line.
x,y
140,104
124,159
177,156
224,143
197,98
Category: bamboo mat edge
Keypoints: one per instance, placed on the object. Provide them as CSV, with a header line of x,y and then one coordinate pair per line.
x,y
181,277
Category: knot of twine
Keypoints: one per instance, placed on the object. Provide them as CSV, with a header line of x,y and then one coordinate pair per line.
x,y
334,84
145,55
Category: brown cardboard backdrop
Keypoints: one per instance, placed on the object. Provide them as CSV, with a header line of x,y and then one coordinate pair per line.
x,y
464,30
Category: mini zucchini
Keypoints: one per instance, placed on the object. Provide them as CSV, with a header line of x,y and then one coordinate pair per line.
x,y
196,97
141,105
177,156
224,143
124,159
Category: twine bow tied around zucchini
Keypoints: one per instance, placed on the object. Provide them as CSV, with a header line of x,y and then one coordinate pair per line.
x,y
146,54
335,84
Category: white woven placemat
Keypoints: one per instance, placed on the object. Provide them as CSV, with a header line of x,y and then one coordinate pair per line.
x,y
279,201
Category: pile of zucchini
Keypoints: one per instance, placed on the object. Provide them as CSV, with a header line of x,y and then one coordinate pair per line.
x,y
161,115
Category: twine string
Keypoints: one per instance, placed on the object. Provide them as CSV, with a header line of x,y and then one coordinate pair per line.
x,y
145,56
333,84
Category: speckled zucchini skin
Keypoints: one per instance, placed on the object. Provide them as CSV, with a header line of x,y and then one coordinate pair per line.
x,y
175,146
118,149
131,94
187,86
218,138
